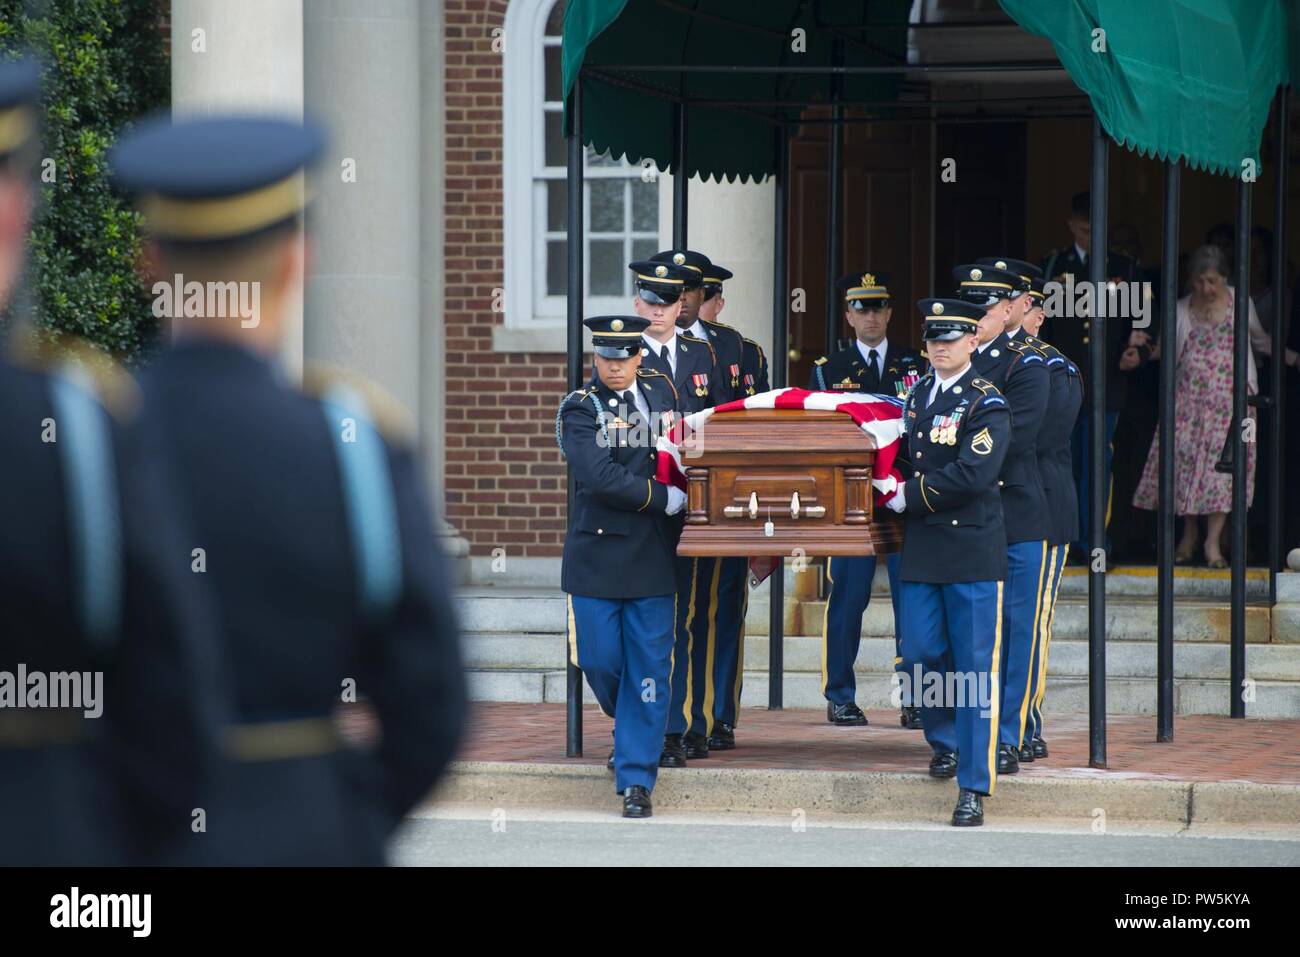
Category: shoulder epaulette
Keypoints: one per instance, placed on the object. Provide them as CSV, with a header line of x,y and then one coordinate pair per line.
x,y
721,325
647,373
113,386
702,342
984,385
393,420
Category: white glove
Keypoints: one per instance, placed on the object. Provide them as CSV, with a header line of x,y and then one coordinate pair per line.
x,y
676,500
898,502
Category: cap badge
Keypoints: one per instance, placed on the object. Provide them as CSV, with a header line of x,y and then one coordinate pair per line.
x,y
937,309
678,259
1000,264
977,274
661,271
616,325
868,279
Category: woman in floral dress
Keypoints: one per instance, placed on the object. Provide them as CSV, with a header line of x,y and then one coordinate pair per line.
x,y
1204,408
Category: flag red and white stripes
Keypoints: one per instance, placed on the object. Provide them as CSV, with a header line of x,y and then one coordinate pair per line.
x,y
879,416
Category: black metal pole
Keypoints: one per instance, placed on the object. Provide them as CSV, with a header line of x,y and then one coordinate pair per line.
x,y
573,372
1098,485
1280,291
777,368
1240,357
835,215
680,177
1168,417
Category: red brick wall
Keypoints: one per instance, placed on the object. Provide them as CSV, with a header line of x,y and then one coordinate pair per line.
x,y
505,478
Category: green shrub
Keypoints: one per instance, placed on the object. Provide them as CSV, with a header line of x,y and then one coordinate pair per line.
x,y
105,65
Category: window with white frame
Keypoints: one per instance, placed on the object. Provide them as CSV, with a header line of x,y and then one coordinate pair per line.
x,y
621,207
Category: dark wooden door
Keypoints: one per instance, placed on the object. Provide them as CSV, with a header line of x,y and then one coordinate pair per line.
x,y
981,213
886,220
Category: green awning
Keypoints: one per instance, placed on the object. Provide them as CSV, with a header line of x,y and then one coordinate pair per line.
x,y
630,111
1180,78
1189,79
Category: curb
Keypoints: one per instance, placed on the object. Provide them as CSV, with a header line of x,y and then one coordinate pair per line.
x,y
880,795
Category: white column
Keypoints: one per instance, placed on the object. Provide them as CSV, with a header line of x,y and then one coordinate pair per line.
x,y
433,377
244,55
362,71
731,223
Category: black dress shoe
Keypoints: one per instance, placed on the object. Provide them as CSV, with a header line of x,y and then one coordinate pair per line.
x,y
911,718
1026,753
845,715
969,811
609,762
636,802
1008,763
723,737
1040,748
695,745
673,755
943,765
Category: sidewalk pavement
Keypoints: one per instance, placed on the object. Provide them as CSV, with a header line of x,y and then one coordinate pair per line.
x,y
1205,747
1216,773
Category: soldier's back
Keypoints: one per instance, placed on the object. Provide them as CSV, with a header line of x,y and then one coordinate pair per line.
x,y
266,500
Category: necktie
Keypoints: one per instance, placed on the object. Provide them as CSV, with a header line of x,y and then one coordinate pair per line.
x,y
629,405
873,360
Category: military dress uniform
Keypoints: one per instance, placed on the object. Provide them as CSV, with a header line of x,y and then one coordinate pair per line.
x,y
953,561
90,584
1054,466
1071,335
728,669
1020,372
890,370
711,619
309,509
698,384
619,565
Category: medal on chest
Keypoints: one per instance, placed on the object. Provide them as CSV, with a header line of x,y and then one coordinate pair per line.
x,y
735,375
749,384
943,428
904,385
701,381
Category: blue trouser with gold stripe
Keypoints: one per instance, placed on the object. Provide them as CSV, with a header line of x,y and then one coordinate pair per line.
x,y
1056,556
1023,604
850,580
729,645
953,632
698,583
625,649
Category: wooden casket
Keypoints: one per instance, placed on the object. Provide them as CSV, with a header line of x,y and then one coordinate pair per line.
x,y
769,481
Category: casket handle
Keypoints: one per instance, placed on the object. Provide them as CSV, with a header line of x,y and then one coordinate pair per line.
x,y
794,505
753,505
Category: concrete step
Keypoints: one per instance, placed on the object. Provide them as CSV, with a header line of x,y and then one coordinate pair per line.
x,y
1272,699
530,668
1141,581
486,608
1068,658
1128,618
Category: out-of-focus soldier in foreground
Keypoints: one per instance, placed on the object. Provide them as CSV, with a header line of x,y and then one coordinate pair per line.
x,y
106,737
309,510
